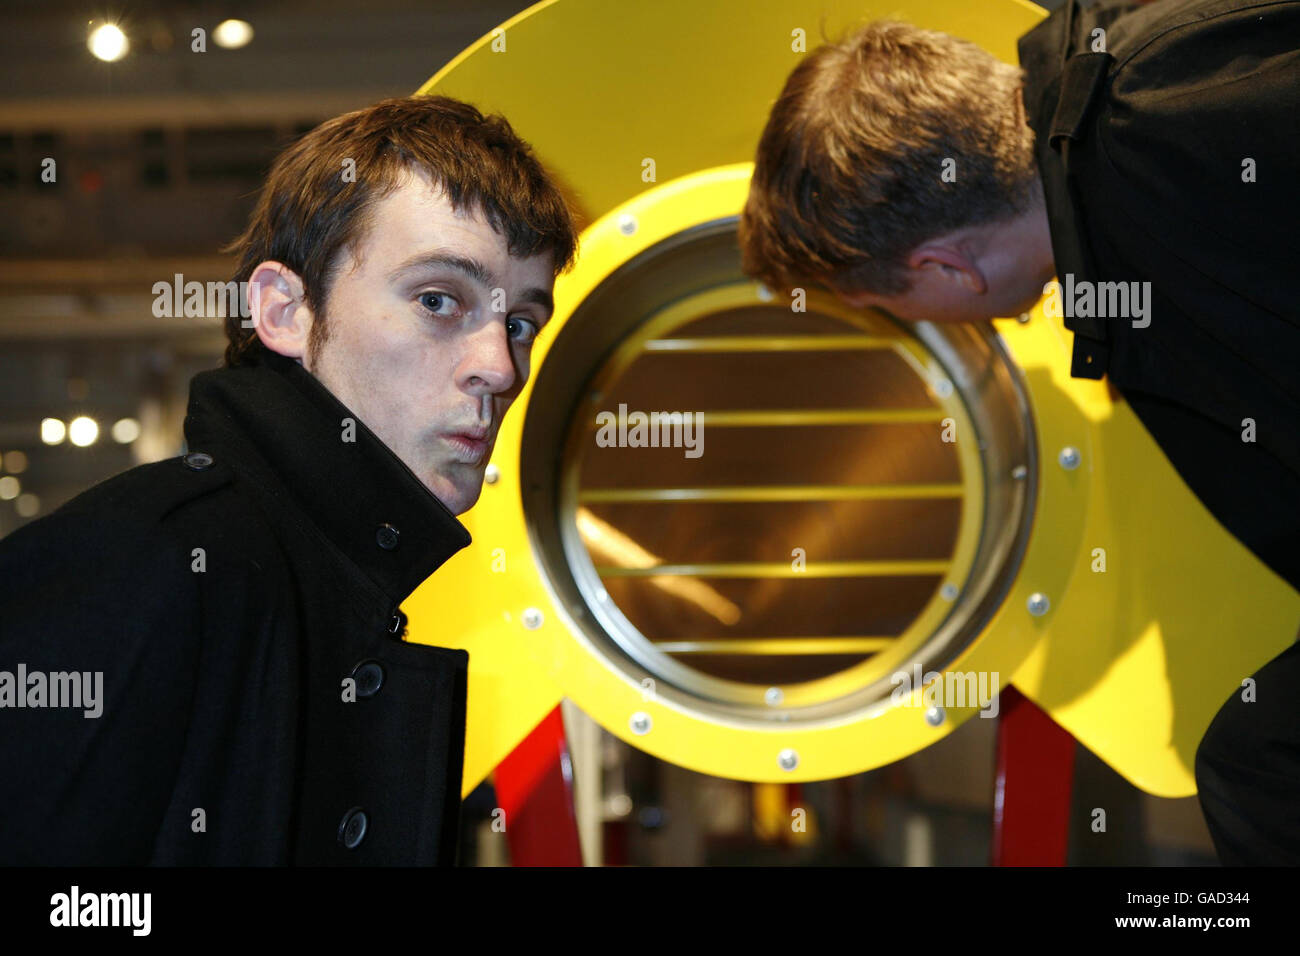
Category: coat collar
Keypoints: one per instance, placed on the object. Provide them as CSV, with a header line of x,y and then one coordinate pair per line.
x,y
275,423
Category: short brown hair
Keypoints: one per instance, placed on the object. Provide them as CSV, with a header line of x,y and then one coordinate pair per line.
x,y
308,212
847,180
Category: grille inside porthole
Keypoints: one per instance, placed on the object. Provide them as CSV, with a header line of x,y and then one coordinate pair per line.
x,y
839,498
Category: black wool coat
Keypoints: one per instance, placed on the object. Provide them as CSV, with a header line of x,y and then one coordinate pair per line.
x,y
1168,145
231,597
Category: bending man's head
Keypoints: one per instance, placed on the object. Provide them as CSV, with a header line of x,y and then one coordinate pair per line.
x,y
406,254
897,169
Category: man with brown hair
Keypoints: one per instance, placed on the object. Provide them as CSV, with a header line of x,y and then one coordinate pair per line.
x,y
241,603
1145,146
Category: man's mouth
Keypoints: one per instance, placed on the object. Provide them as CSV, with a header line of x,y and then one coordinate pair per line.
x,y
469,445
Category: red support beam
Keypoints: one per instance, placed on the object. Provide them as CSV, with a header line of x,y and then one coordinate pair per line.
x,y
1035,777
534,786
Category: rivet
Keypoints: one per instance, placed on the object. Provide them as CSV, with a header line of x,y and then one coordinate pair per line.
x,y
491,474
1019,472
532,618
934,716
774,696
948,592
1069,458
1038,604
640,723
1022,318
626,224
787,759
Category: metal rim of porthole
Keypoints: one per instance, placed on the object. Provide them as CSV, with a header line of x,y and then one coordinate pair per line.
x,y
973,380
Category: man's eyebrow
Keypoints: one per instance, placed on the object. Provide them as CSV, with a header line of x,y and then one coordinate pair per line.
x,y
473,268
540,297
466,264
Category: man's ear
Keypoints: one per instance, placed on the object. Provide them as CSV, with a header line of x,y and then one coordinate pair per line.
x,y
279,312
950,262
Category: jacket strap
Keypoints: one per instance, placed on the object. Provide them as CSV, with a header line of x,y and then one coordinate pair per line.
x,y
1082,79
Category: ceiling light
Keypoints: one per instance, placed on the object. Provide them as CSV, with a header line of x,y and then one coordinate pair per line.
x,y
232,34
53,430
108,42
83,431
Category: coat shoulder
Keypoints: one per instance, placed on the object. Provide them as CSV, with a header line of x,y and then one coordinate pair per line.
x,y
150,493
151,517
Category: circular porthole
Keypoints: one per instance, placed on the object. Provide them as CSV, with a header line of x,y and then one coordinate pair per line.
x,y
769,505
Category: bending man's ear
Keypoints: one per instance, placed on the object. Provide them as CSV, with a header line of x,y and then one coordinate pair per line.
x,y
951,262
279,310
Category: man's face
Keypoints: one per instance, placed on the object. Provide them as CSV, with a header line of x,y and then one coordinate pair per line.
x,y
974,274
429,335
937,296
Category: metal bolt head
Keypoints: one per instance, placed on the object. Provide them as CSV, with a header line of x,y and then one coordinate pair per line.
x,y
1069,458
787,759
948,592
532,618
943,388
764,293
626,224
1022,318
640,723
1019,472
934,716
491,474
774,696
1038,604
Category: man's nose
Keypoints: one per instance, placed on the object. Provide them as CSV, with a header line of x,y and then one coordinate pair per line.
x,y
488,364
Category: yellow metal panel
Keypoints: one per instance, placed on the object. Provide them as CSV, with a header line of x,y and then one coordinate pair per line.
x,y
1133,660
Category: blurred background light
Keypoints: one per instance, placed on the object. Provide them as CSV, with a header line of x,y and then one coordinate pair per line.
x,y
108,43
232,34
83,431
53,430
125,431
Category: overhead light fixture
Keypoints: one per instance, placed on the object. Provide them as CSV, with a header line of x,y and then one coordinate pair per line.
x,y
15,462
108,43
53,430
83,431
232,34
9,488
27,505
126,430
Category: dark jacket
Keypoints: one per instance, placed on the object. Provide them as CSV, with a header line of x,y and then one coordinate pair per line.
x,y
1145,149
224,668
1141,152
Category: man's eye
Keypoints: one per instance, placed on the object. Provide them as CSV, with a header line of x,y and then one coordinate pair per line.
x,y
435,302
521,330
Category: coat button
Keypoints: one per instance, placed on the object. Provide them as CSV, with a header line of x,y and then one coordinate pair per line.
x,y
387,537
352,829
369,676
198,461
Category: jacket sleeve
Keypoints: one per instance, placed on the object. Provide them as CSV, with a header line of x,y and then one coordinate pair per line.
x,y
98,657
